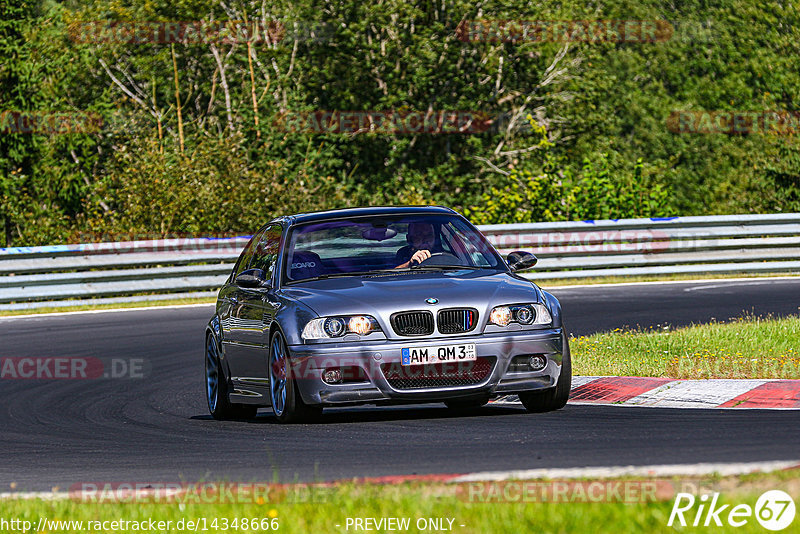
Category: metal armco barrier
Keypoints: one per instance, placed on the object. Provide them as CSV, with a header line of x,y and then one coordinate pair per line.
x,y
62,275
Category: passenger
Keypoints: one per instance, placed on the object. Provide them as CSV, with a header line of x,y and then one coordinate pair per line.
x,y
421,241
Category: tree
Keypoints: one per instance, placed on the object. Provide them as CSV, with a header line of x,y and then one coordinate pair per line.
x,y
18,93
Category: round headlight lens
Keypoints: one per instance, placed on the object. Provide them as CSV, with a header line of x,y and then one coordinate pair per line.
x,y
524,315
359,325
500,316
334,326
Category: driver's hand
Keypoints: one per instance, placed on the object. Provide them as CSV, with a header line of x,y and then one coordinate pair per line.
x,y
420,256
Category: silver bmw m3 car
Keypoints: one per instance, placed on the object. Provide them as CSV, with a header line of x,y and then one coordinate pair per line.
x,y
378,306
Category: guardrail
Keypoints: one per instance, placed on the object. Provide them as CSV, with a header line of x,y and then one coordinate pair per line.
x,y
63,275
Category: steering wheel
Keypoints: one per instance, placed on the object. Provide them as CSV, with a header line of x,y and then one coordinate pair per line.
x,y
440,258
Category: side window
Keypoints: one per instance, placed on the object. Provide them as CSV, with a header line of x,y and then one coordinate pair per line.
x,y
463,248
246,255
266,251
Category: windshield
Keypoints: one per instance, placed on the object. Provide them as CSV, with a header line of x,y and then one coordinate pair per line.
x,y
377,243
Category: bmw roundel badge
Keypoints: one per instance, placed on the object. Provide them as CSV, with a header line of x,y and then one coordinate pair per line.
x,y
432,300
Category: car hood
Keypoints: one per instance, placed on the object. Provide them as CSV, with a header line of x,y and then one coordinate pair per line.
x,y
380,295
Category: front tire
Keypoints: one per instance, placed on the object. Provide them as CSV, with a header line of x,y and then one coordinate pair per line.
x,y
556,397
287,404
219,404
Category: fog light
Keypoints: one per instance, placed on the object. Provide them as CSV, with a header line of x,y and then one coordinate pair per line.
x,y
537,363
332,376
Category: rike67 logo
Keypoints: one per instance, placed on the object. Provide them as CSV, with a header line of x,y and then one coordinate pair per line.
x,y
774,510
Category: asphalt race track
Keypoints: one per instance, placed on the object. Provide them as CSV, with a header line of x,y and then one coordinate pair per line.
x,y
63,432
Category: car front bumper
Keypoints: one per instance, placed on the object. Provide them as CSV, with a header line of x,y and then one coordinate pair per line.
x,y
309,362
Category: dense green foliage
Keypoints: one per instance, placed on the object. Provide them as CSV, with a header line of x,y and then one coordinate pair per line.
x,y
212,156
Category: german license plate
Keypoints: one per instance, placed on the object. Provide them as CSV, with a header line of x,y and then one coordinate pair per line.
x,y
422,355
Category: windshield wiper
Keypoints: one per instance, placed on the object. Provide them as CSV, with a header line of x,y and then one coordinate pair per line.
x,y
436,267
351,273
386,271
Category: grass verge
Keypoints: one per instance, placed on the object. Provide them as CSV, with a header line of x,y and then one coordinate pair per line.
x,y
561,282
748,347
108,306
606,505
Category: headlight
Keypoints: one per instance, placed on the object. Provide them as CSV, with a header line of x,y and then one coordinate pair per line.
x,y
500,316
524,314
333,327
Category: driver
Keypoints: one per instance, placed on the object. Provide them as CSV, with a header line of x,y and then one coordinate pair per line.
x,y
421,240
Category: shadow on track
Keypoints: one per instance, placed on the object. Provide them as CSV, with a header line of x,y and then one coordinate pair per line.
x,y
334,416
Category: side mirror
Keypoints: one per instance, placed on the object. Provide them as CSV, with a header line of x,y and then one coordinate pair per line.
x,y
253,278
520,260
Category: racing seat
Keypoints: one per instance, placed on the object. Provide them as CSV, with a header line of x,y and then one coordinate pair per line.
x,y
305,264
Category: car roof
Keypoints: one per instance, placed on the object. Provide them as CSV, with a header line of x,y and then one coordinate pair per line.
x,y
359,212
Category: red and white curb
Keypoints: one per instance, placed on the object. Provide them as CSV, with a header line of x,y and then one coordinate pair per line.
x,y
671,393
667,470
658,470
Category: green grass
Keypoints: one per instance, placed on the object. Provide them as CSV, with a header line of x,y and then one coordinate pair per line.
x,y
120,305
321,511
748,347
560,282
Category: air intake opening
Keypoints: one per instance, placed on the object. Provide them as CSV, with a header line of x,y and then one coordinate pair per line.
x,y
438,375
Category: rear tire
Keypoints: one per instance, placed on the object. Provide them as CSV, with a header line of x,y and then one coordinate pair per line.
x,y
287,404
219,404
556,397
